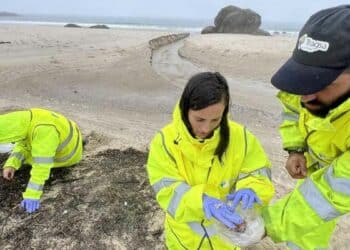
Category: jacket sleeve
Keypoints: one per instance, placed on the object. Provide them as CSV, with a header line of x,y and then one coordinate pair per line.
x,y
324,196
182,201
256,170
289,128
18,155
44,144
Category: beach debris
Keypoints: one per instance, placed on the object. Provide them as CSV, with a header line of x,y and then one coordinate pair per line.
x,y
104,202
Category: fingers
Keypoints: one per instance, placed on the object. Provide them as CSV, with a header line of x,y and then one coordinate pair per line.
x,y
33,206
37,206
229,219
225,221
296,166
303,170
30,208
293,170
233,217
23,204
8,173
246,201
30,205
231,196
235,201
298,172
257,200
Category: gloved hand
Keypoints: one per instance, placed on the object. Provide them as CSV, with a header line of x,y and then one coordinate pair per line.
x,y
30,205
220,211
246,195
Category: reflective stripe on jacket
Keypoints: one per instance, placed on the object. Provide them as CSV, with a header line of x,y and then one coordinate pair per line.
x,y
44,139
306,217
181,169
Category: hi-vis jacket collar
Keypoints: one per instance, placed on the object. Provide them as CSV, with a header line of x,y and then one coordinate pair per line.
x,y
198,151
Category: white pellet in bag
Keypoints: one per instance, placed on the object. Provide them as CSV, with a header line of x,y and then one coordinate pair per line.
x,y
247,234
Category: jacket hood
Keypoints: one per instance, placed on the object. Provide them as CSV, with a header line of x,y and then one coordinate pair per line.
x,y
14,126
201,152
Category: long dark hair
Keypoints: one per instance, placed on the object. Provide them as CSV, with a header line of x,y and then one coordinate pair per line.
x,y
201,91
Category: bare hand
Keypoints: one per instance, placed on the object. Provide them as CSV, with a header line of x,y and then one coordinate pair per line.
x,y
8,173
296,165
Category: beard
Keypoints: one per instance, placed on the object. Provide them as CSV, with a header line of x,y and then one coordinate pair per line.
x,y
324,109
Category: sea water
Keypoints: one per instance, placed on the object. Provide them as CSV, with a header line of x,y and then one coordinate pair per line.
x,y
184,25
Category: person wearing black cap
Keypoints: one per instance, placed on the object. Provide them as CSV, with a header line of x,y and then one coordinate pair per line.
x,y
315,90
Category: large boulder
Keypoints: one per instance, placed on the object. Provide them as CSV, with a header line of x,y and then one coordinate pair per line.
x,y
223,13
232,19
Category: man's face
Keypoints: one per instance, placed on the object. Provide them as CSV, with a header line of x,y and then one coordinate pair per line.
x,y
330,97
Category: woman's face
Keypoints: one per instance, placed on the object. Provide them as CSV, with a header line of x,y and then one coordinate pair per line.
x,y
204,121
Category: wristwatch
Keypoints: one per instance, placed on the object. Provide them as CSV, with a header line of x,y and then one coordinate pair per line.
x,y
296,150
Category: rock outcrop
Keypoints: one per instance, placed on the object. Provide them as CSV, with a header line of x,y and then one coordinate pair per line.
x,y
232,19
72,25
99,26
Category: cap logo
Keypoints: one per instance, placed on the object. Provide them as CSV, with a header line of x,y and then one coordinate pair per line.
x,y
310,45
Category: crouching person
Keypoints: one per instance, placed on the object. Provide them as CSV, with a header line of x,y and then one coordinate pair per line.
x,y
200,161
43,139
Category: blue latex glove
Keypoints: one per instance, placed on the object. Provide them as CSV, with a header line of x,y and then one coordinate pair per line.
x,y
30,205
220,211
246,195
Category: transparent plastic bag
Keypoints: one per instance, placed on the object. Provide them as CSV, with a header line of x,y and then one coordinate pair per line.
x,y
6,147
246,234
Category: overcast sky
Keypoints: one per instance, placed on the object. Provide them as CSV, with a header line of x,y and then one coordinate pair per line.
x,y
270,10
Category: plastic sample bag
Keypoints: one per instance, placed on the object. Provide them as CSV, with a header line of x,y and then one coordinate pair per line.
x,y
246,234
6,147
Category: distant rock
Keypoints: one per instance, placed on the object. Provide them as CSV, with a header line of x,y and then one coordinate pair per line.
x,y
4,13
208,29
232,19
261,32
72,25
99,26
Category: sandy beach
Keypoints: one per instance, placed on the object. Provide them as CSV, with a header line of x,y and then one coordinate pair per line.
x,y
121,93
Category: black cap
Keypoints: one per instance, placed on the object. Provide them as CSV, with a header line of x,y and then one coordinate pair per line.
x,y
321,54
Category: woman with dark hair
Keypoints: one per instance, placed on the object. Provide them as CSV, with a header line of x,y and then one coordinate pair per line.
x,y
202,159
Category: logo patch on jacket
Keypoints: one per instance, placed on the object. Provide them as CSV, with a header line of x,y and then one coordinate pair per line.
x,y
225,184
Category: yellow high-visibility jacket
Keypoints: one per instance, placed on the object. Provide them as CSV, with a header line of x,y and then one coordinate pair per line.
x,y
43,139
305,218
181,169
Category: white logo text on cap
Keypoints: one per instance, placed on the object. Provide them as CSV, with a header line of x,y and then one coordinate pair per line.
x,y
308,44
